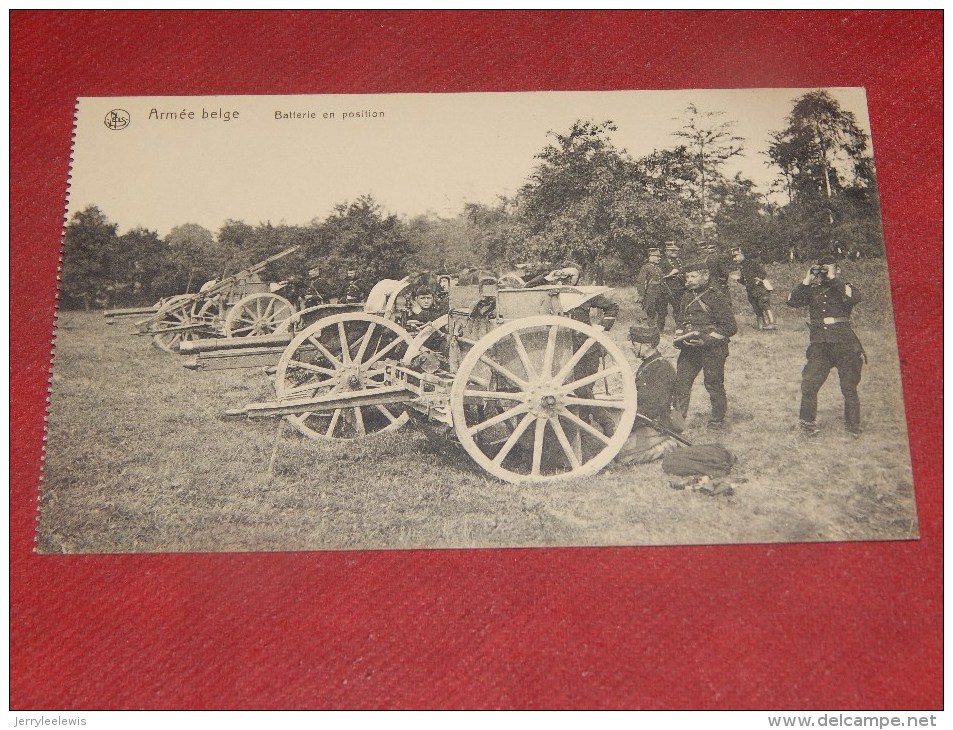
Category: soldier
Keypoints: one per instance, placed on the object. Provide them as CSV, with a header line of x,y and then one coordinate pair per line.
x,y
654,381
754,279
705,325
833,343
352,292
672,284
719,266
443,293
424,308
648,283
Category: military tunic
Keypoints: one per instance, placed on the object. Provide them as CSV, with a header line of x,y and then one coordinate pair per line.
x,y
672,290
707,312
648,283
833,344
719,269
752,279
654,381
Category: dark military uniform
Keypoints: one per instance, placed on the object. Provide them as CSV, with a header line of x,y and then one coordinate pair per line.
x,y
719,270
352,293
672,290
707,312
833,344
648,282
654,381
752,279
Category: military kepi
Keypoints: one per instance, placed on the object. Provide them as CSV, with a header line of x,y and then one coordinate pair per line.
x,y
644,335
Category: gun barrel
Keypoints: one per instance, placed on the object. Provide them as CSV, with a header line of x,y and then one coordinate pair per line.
x,y
661,429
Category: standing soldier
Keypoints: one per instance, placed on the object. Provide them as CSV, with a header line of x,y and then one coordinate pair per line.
x,y
672,284
719,266
352,292
648,283
833,343
704,328
754,279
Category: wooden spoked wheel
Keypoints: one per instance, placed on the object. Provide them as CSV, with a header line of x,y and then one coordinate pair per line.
x,y
542,399
341,354
257,314
189,314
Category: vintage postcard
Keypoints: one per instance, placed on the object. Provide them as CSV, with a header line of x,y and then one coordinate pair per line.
x,y
474,320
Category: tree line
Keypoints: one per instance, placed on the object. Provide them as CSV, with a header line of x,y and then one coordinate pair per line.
x,y
585,200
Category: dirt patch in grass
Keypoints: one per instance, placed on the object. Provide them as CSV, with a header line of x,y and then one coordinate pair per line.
x,y
140,458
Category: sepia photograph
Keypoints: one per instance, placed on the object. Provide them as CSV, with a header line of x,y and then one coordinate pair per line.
x,y
474,320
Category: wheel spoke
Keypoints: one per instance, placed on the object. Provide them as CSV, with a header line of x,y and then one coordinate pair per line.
x,y
381,353
513,439
538,439
325,351
524,356
335,417
594,378
312,386
564,442
574,360
504,416
493,395
581,424
312,368
270,308
359,421
345,347
506,373
364,342
618,405
550,355
390,416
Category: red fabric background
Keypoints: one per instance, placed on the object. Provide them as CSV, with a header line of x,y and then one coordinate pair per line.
x,y
784,626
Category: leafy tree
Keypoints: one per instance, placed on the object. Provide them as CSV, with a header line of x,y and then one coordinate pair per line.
x,y
743,218
89,243
570,206
191,258
136,263
709,144
359,235
445,244
235,244
828,174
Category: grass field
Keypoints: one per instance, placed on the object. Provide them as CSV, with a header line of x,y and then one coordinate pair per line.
x,y
139,458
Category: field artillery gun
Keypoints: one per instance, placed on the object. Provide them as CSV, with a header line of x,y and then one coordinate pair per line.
x,y
530,393
240,305
388,298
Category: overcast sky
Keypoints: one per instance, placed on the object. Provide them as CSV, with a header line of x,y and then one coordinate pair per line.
x,y
421,153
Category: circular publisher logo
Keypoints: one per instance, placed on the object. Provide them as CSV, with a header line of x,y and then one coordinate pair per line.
x,y
117,119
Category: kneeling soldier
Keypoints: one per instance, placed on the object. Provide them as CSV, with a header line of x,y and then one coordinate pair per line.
x,y
705,324
833,342
654,381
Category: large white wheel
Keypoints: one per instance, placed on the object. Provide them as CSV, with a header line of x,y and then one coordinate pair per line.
x,y
542,399
257,314
338,355
189,314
